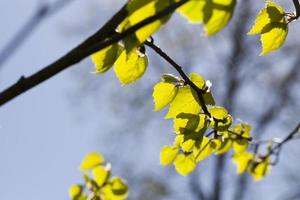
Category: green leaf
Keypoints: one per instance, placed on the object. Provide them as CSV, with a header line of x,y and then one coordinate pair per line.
x,y
101,174
184,102
130,67
168,154
242,161
163,94
185,164
272,26
215,14
91,161
259,170
105,58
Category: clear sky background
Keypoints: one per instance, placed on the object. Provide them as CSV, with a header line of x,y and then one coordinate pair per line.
x,y
45,132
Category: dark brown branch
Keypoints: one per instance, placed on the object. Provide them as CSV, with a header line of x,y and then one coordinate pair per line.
x,y
178,68
297,7
85,49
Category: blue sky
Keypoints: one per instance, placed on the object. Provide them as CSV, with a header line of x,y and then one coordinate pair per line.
x,y
44,133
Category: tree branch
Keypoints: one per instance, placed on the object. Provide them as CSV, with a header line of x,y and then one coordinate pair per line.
x,y
178,68
83,50
297,7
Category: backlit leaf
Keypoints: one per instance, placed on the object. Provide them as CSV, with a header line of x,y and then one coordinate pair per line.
x,y
214,14
260,170
218,113
105,58
116,190
101,175
242,161
272,26
163,94
184,102
185,164
91,161
75,192
130,67
168,154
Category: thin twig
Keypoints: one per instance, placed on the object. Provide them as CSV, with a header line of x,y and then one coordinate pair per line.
x,y
178,68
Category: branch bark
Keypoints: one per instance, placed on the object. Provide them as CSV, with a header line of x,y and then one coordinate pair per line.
x,y
91,45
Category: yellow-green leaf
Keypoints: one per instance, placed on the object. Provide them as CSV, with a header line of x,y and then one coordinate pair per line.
x,y
242,161
104,59
101,174
239,134
168,154
91,161
273,37
215,14
260,170
186,121
130,67
198,80
225,146
163,94
184,102
170,78
117,189
207,147
272,13
185,164
272,26
75,192
218,113
193,10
